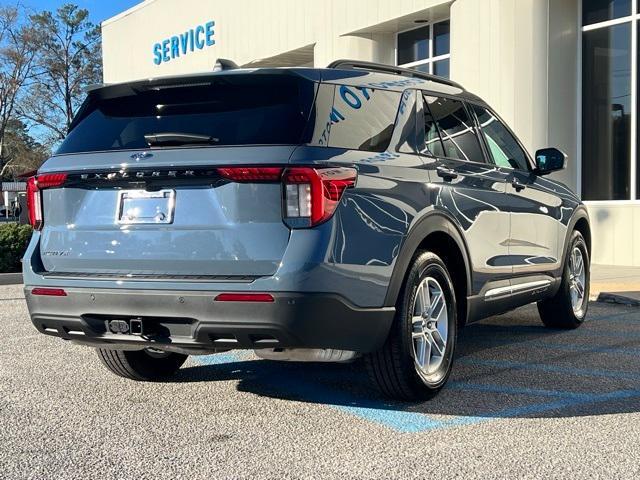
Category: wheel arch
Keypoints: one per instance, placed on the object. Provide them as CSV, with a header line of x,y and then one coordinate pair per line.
x,y
579,222
439,234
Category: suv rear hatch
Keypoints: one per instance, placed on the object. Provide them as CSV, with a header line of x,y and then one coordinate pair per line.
x,y
148,190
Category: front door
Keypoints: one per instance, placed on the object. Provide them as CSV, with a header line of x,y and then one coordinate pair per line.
x,y
534,240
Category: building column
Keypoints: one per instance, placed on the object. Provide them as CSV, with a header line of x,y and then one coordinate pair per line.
x,y
521,56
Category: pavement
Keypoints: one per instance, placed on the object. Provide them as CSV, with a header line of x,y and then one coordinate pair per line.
x,y
10,278
523,401
615,284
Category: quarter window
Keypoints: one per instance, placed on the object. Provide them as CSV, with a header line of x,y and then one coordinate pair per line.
x,y
504,149
361,118
459,139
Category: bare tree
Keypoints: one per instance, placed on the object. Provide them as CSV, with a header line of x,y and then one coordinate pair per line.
x,y
21,152
69,59
17,61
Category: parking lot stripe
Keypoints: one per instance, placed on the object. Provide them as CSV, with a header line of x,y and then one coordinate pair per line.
x,y
526,410
397,417
484,331
543,367
511,390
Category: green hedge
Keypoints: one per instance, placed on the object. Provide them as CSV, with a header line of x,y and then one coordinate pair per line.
x,y
14,239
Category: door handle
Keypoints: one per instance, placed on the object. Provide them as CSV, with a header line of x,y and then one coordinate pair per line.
x,y
446,173
518,186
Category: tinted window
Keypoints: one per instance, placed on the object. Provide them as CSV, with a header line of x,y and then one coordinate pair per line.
x,y
239,110
606,113
503,146
596,11
441,40
432,141
413,45
362,118
458,134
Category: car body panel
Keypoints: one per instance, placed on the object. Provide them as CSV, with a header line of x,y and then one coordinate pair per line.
x,y
231,237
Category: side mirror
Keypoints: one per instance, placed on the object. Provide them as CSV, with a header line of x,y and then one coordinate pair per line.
x,y
550,160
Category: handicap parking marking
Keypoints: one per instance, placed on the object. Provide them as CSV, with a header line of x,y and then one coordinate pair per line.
x,y
502,401
398,416
487,330
544,367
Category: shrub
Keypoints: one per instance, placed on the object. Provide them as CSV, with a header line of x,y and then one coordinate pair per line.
x,y
14,239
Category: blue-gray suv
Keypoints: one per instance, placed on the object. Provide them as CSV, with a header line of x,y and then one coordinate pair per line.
x,y
360,210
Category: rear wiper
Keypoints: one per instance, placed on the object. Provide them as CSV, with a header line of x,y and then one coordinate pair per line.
x,y
174,139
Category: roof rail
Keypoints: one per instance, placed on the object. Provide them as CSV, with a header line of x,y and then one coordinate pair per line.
x,y
381,67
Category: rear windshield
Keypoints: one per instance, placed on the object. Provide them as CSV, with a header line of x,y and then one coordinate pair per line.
x,y
231,110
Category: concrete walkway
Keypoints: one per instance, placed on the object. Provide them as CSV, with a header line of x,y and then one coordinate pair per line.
x,y
615,284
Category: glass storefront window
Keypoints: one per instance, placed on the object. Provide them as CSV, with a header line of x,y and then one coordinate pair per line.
x,y
606,113
426,49
441,68
441,40
414,45
596,11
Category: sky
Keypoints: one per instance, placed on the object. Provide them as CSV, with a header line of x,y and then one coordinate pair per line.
x,y
99,10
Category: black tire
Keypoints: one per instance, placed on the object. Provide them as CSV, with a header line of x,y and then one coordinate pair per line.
x,y
393,368
557,311
141,365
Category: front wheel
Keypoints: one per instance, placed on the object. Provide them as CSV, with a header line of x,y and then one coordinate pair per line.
x,y
141,365
568,308
416,359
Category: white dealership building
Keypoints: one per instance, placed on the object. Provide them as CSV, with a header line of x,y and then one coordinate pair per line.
x,y
561,72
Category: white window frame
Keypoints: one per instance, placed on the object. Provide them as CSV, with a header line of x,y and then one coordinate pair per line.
x,y
634,18
431,60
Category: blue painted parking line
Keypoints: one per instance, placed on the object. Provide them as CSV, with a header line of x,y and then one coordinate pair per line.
x,y
398,418
543,367
482,331
571,347
545,407
514,390
618,350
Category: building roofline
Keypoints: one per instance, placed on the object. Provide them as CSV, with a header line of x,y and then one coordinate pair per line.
x,y
127,12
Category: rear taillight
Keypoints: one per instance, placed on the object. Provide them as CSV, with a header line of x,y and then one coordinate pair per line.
x,y
35,185
251,174
312,195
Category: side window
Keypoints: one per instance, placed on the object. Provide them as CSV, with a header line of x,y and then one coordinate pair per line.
x,y
432,141
504,148
362,118
456,128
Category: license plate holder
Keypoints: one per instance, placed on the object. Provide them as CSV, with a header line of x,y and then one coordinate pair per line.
x,y
139,207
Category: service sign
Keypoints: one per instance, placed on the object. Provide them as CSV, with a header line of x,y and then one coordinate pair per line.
x,y
184,43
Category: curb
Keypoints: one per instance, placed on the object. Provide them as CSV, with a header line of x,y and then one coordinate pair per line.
x,y
10,278
616,298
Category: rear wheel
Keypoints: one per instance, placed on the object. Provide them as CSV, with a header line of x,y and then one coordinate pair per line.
x,y
141,365
416,359
568,308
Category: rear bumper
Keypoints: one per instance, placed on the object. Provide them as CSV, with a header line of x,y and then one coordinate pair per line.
x,y
193,320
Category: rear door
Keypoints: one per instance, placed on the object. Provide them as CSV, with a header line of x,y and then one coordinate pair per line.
x,y
155,184
534,237
469,189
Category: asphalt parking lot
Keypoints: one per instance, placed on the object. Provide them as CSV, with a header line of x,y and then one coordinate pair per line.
x,y
523,402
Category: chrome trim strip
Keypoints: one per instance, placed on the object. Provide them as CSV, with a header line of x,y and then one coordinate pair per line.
x,y
518,288
150,277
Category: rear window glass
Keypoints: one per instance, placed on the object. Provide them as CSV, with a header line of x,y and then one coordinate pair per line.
x,y
232,110
360,118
